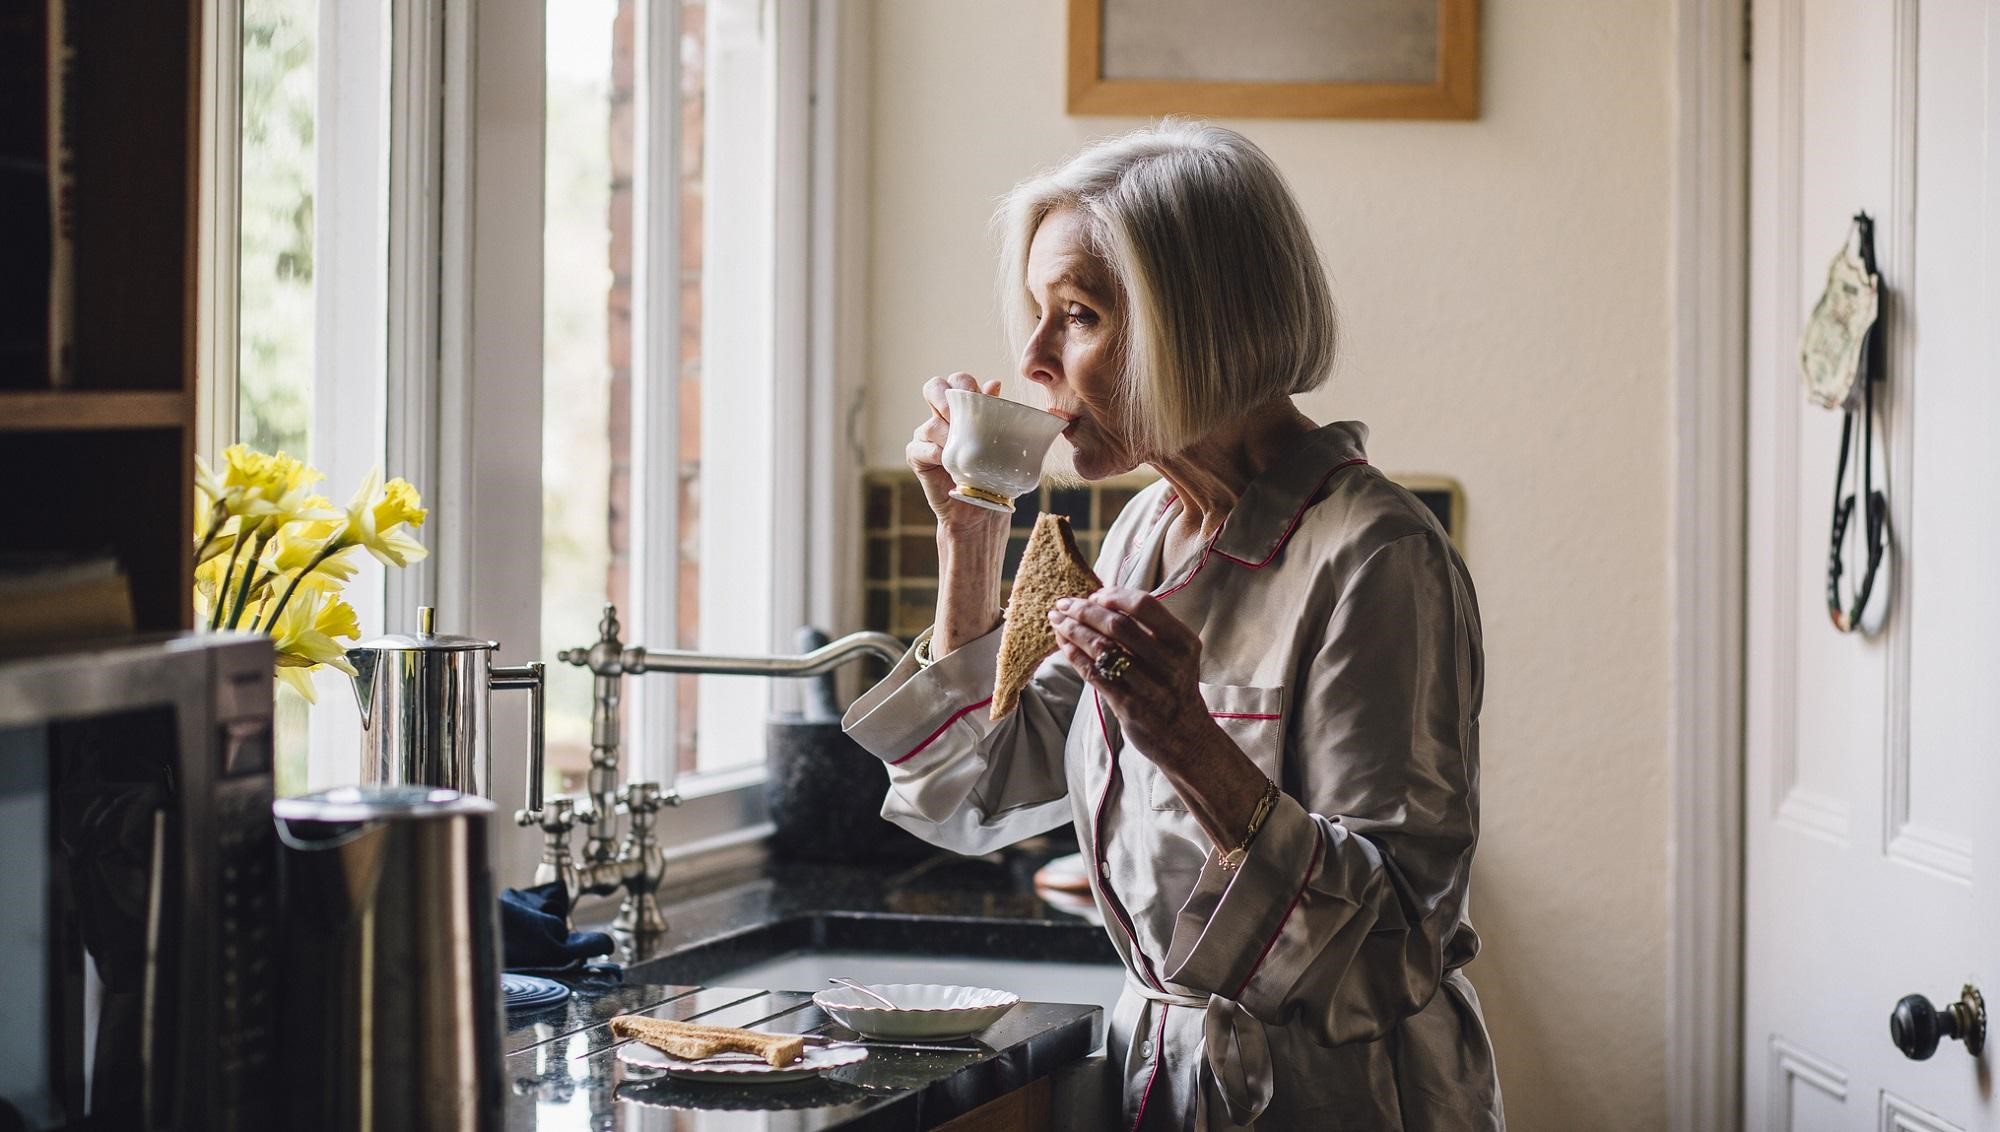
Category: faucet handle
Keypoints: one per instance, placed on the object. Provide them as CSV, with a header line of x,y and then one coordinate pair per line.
x,y
647,797
556,816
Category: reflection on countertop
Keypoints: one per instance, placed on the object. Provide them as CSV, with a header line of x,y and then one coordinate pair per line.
x,y
564,1072
562,1062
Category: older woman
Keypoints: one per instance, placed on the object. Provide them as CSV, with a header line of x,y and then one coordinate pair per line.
x,y
1266,725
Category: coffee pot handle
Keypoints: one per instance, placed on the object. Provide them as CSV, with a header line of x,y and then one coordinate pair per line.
x,y
531,677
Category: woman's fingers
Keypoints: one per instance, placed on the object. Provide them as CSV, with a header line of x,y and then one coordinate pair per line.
x,y
936,388
1146,610
1088,639
1078,659
934,430
1110,623
923,455
934,391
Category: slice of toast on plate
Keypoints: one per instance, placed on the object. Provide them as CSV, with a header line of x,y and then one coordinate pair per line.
x,y
1051,568
690,1041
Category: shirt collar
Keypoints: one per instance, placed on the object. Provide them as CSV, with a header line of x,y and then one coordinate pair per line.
x,y
1272,504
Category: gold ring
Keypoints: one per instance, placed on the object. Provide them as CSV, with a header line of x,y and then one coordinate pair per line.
x,y
1111,664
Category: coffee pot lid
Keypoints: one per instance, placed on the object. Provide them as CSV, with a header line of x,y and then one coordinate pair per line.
x,y
425,639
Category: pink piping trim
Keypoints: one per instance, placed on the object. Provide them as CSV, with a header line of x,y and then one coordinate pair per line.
x,y
1319,849
1282,539
1241,715
1159,1055
1296,516
1097,847
942,728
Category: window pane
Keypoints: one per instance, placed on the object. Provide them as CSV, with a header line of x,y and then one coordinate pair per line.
x,y
709,575
275,345
586,312
734,207
275,292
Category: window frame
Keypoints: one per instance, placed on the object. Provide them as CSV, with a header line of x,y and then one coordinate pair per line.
x,y
460,139
818,225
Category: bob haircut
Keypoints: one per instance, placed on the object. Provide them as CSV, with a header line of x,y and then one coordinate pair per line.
x,y
1224,303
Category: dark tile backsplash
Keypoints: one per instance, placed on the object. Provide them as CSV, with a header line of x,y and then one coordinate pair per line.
x,y
900,548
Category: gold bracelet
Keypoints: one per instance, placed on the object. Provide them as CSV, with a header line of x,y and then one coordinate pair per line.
x,y
923,652
1233,860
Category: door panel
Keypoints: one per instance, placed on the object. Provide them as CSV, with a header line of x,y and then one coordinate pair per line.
x,y
1807,1093
1870,865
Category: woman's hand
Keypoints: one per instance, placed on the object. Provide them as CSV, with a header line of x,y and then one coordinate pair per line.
x,y
925,451
971,540
1158,702
1158,696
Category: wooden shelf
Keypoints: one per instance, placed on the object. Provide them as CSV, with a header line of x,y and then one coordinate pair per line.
x,y
79,409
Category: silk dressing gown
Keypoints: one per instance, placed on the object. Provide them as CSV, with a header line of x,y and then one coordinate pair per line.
x,y
1319,985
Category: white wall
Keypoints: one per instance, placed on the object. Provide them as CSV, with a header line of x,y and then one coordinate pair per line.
x,y
1503,285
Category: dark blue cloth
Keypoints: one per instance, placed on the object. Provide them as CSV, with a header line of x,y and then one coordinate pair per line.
x,y
535,936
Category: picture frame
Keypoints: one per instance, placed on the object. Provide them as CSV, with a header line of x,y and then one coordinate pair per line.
x,y
1174,62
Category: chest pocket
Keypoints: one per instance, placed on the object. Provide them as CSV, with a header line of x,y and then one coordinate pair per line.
x,y
1252,716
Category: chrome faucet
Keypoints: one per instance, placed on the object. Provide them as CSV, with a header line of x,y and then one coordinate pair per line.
x,y
637,864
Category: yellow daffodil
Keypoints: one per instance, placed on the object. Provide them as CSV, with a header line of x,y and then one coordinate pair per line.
x,y
207,482
207,577
245,467
376,522
270,550
304,640
399,504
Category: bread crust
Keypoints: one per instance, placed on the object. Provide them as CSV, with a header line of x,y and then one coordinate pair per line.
x,y
690,1041
1051,568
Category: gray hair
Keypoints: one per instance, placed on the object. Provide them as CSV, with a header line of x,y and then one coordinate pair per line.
x,y
1225,304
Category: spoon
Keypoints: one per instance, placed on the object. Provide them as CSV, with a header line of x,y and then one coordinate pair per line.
x,y
850,984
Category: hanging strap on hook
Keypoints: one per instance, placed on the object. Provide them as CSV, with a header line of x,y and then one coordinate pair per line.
x,y
1847,615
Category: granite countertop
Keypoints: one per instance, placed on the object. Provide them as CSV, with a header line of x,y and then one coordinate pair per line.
x,y
563,1069
562,1062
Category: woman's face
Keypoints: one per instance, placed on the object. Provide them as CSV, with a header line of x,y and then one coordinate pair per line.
x,y
1075,347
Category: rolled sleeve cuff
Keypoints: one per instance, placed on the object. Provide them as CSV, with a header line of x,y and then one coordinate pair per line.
x,y
1229,925
915,707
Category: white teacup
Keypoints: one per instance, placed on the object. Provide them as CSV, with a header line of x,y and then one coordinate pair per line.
x,y
995,449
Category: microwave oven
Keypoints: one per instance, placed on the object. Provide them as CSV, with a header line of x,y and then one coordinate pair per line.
x,y
138,886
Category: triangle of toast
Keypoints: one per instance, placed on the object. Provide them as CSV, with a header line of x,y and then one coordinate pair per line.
x,y
1051,568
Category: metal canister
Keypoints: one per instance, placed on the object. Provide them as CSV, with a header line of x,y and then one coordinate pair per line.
x,y
389,942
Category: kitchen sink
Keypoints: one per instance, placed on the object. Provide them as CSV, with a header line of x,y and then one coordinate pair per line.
x,y
1042,961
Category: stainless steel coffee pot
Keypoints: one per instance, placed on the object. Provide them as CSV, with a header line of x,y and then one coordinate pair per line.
x,y
425,714
390,956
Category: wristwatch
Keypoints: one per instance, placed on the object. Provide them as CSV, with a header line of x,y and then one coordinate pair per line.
x,y
1234,859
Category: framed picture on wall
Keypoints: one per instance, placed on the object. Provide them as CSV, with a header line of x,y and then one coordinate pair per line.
x,y
1275,58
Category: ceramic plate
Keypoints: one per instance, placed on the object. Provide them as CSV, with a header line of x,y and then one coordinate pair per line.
x,y
739,1069
924,1010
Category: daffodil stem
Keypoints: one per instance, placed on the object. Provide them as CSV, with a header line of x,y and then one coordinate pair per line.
x,y
222,589
271,619
243,587
217,517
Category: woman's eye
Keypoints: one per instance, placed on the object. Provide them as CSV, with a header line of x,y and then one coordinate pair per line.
x,y
1081,316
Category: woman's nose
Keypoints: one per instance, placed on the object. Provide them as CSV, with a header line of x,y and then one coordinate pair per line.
x,y
1039,363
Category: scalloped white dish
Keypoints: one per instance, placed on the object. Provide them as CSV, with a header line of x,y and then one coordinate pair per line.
x,y
817,1060
924,1010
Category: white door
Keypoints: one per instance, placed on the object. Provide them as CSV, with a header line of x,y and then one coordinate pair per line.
x,y
1873,853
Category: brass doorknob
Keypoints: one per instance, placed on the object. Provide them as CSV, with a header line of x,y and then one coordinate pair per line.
x,y
1916,1026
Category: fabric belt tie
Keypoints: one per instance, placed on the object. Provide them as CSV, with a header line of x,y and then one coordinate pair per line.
x,y
1236,1062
